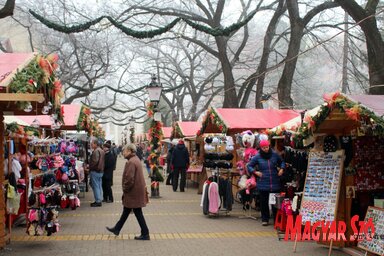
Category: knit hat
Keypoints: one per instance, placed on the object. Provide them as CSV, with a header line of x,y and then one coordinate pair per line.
x,y
264,143
181,142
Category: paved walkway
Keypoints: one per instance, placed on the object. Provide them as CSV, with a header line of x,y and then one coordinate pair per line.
x,y
176,224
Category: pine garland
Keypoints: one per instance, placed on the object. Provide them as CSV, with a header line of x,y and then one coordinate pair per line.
x,y
66,29
213,118
155,133
83,120
143,34
22,130
353,110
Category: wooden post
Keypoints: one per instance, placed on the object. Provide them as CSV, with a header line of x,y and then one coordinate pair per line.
x,y
330,248
2,201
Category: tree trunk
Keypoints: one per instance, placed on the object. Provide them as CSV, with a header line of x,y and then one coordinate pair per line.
x,y
375,43
285,83
7,9
259,74
230,97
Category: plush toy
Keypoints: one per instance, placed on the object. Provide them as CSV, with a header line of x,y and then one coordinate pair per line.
x,y
230,145
240,166
250,184
248,140
71,148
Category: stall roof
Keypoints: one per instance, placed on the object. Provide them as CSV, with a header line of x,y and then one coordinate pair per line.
x,y
235,118
372,102
295,122
15,119
188,128
10,63
71,116
167,131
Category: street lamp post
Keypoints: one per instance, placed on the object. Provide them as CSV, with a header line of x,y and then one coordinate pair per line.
x,y
125,135
132,129
155,134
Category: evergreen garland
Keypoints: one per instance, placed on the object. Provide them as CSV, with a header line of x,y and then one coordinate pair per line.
x,y
353,110
66,29
143,34
83,120
22,130
213,118
155,134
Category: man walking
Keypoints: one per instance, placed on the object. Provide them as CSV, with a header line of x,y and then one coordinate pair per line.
x,y
96,167
109,166
134,193
179,164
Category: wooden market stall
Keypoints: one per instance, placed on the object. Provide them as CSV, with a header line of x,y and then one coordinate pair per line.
x,y
230,122
164,144
187,131
27,85
352,127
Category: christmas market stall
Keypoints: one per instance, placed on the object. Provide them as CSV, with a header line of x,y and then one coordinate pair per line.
x,y
221,150
187,130
344,178
28,85
165,144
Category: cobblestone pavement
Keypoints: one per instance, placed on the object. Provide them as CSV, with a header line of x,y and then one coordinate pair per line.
x,y
177,227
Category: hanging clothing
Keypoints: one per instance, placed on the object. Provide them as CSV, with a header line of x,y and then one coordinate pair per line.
x,y
214,198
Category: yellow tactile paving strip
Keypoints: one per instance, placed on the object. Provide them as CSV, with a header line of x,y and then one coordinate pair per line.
x,y
156,236
157,201
70,215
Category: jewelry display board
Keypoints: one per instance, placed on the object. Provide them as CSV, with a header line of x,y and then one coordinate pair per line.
x,y
322,185
376,244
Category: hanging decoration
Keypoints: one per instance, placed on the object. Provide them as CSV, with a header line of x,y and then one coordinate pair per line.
x,y
217,31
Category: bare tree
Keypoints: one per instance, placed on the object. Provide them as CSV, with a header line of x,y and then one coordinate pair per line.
x,y
298,25
7,9
375,43
259,75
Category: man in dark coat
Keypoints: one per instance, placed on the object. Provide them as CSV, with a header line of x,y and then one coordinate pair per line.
x,y
109,166
179,165
169,171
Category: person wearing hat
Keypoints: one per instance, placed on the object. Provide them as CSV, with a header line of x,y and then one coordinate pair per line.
x,y
268,166
179,165
109,167
134,193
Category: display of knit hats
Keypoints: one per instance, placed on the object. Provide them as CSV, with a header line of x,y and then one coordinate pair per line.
x,y
208,140
215,141
226,156
209,148
211,156
330,143
210,164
